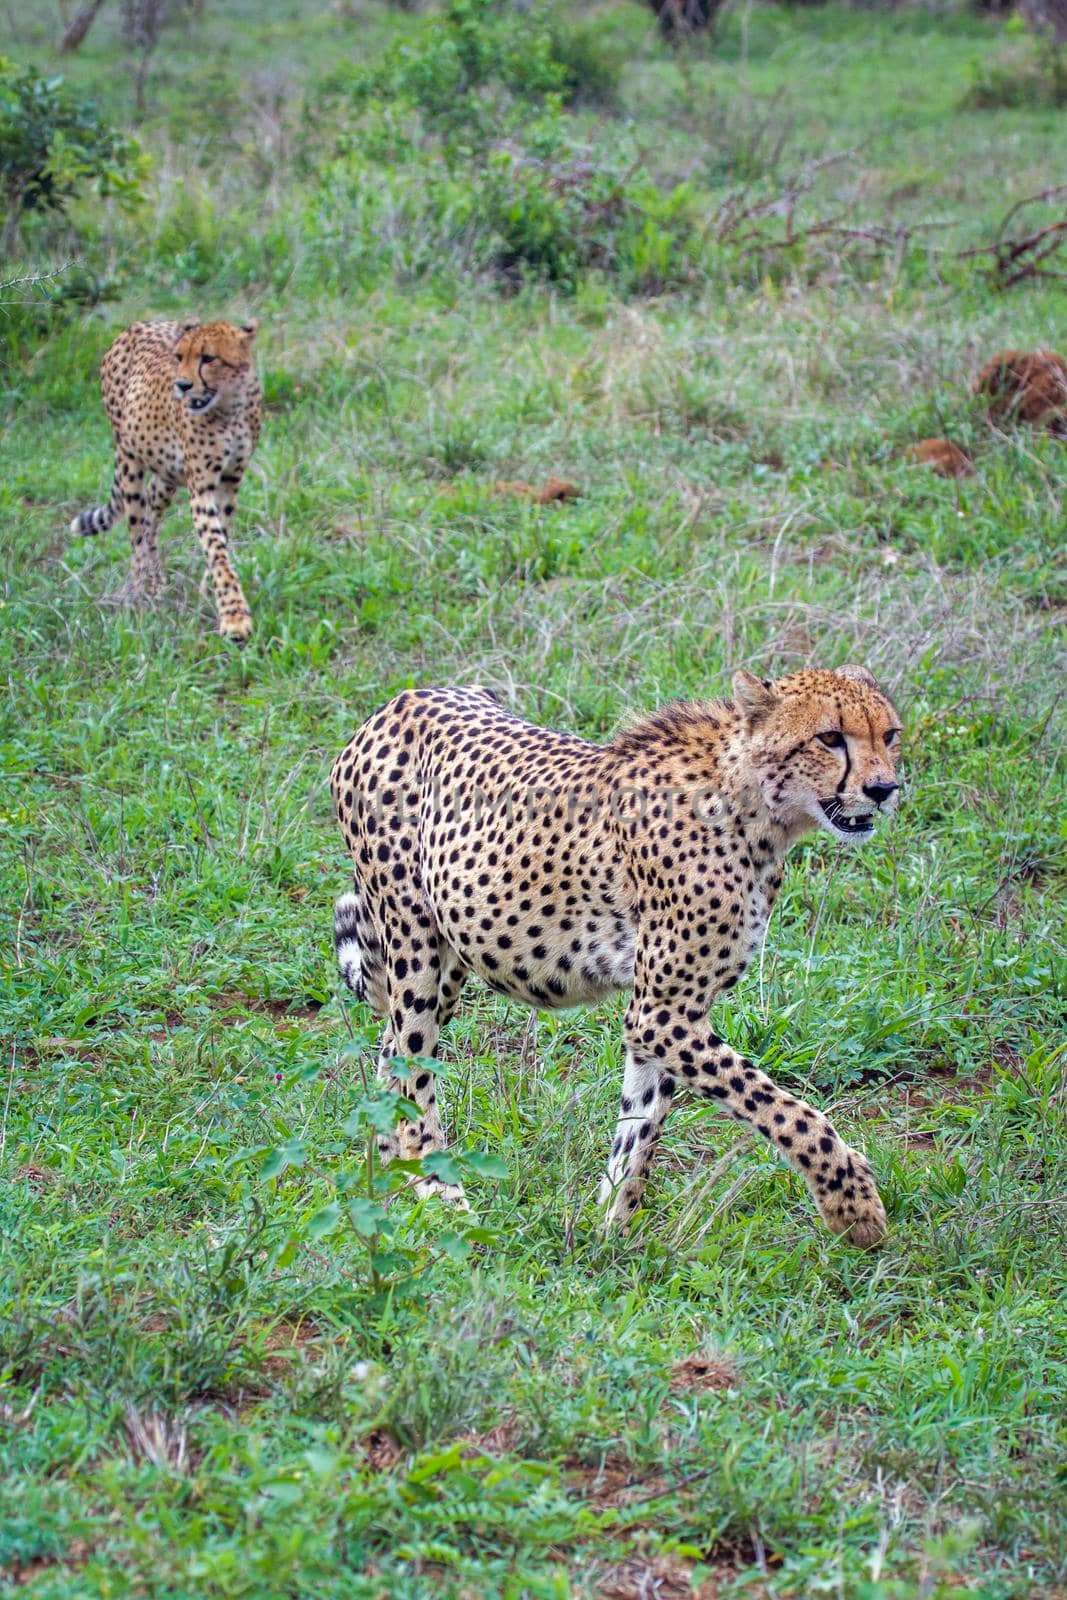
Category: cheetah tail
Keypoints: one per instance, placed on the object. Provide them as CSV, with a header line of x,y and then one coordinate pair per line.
x,y
347,921
100,518
359,953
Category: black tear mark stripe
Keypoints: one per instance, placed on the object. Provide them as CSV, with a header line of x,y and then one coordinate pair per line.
x,y
848,767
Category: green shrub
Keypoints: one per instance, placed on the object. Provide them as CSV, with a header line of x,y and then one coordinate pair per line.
x,y
480,63
537,208
53,147
553,211
590,63
1035,78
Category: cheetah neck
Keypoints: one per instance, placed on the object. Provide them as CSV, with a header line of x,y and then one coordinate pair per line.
x,y
701,747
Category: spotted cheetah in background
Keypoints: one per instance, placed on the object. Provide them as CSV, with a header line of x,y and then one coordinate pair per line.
x,y
560,870
184,405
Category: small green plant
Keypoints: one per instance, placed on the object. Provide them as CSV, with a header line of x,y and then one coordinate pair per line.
x,y
54,147
364,1193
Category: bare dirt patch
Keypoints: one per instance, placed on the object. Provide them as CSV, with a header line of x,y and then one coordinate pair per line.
x,y
655,1578
233,1007
281,1010
22,1574
283,1342
614,1484
699,1374
499,1440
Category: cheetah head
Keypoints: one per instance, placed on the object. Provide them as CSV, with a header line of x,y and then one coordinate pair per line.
x,y
823,747
212,361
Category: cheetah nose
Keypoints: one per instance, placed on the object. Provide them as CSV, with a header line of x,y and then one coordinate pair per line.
x,y
182,385
880,792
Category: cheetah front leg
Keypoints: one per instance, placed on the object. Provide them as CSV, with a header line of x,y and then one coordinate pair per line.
x,y
211,522
840,1178
679,1050
647,1093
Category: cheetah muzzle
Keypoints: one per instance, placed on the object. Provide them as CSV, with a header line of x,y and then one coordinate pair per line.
x,y
862,822
560,871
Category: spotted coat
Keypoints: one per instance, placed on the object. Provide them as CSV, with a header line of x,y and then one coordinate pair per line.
x,y
559,871
184,405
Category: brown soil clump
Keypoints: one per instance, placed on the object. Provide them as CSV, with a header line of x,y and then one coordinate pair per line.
x,y
1026,386
614,1484
552,489
942,457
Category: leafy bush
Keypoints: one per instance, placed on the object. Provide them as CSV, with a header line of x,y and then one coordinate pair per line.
x,y
553,212
1036,77
479,63
462,155
541,207
53,147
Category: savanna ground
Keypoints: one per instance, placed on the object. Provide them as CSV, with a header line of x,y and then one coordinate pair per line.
x,y
231,1367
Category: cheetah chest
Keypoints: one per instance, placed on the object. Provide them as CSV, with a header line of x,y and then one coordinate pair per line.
x,y
731,925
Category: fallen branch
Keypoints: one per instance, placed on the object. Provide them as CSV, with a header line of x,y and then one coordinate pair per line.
x,y
32,280
747,222
1016,257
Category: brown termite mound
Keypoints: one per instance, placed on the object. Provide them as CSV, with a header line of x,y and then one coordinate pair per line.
x,y
1026,386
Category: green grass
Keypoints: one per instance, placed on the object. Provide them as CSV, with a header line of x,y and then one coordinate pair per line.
x,y
203,1390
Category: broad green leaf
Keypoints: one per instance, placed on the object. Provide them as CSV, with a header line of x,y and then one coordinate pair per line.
x,y
485,1163
324,1221
291,1154
441,1164
368,1217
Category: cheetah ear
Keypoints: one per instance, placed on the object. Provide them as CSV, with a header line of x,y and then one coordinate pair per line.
x,y
754,697
250,328
858,674
187,324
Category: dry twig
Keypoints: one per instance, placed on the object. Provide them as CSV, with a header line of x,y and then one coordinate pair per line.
x,y
1015,257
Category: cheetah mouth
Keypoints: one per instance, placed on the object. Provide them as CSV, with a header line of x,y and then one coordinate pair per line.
x,y
847,827
201,401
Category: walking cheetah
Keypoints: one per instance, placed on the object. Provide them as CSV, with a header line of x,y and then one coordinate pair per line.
x,y
184,405
560,870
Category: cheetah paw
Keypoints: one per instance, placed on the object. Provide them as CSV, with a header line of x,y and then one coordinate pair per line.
x,y
451,1193
864,1225
141,592
238,629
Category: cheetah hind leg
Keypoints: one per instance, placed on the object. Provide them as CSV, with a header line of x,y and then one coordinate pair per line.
x,y
362,965
424,987
362,969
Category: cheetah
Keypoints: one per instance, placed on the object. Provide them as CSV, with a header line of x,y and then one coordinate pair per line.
x,y
184,405
559,870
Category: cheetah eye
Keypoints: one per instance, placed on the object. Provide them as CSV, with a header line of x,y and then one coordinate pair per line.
x,y
891,737
832,741
207,358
